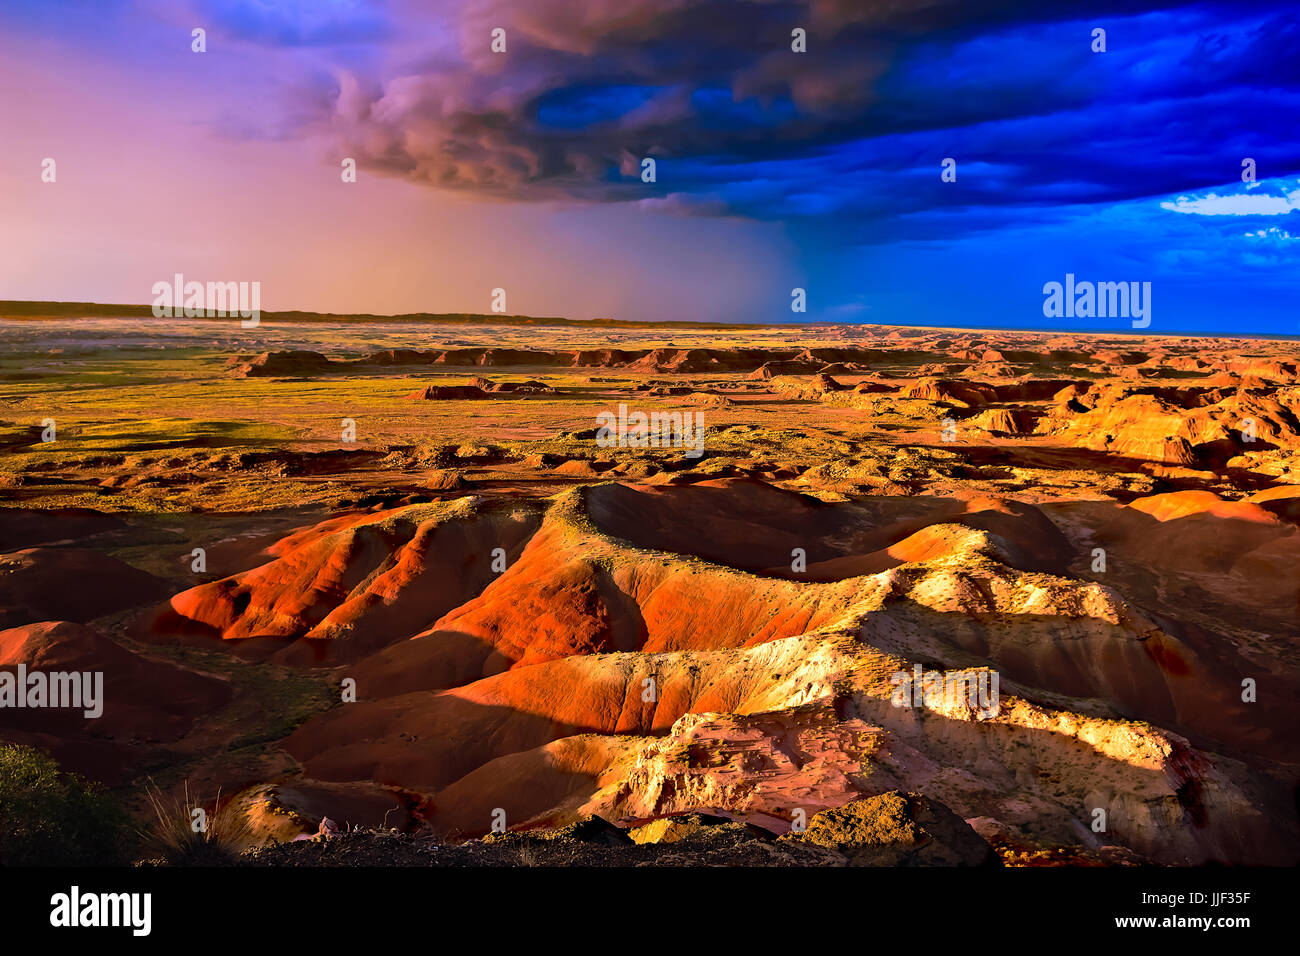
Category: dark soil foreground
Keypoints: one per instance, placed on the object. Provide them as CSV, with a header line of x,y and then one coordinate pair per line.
x,y
893,829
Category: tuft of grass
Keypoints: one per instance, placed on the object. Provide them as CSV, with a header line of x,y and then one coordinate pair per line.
x,y
528,857
185,834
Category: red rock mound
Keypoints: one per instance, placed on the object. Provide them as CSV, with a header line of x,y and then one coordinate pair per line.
x,y
627,664
429,740
71,584
1186,504
1004,421
947,390
814,388
748,524
353,584
740,523
573,591
1237,551
1284,502
144,702
771,369
24,528
1208,566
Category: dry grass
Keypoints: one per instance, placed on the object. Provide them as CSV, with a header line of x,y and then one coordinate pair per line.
x,y
186,834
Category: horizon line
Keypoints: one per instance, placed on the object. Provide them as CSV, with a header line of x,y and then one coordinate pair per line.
x,y
37,309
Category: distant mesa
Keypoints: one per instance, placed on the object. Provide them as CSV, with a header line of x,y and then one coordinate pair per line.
x,y
445,393
664,390
529,387
758,363
287,364
480,388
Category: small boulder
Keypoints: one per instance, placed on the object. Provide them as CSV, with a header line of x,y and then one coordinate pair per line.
x,y
897,829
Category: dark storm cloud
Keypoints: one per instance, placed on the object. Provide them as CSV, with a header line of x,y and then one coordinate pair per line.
x,y
857,125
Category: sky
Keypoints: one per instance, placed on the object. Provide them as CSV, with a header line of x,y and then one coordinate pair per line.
x,y
1171,157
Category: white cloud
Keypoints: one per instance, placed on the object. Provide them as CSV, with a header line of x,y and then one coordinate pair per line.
x,y
1273,232
1237,204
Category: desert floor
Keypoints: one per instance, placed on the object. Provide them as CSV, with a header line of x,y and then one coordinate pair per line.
x,y
390,574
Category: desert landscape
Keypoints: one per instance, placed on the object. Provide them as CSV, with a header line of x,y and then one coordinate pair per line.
x,y
426,590
603,468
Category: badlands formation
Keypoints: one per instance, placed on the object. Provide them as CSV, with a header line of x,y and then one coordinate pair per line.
x,y
924,597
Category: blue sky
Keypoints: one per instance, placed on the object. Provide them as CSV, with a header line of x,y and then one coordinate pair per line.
x,y
774,168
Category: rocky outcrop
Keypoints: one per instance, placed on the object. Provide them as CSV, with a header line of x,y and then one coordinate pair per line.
x,y
897,829
1182,426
